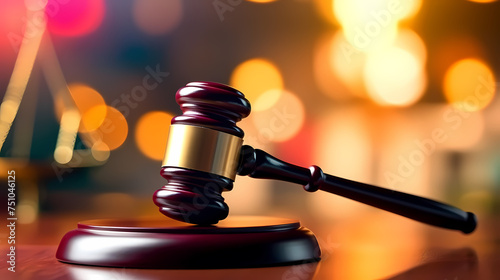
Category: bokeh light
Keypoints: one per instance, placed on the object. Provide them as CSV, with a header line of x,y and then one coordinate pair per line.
x,y
347,63
409,40
93,117
266,100
151,134
111,133
100,151
325,78
74,17
394,77
469,85
70,121
361,29
157,17
370,41
283,120
325,9
364,11
371,25
63,154
344,93
90,104
256,76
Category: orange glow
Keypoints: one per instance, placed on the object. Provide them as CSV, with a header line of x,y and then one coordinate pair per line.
x,y
347,63
363,11
363,41
469,85
397,132
151,134
409,40
361,28
70,121
157,17
90,104
464,130
411,8
327,81
93,117
74,17
394,77
112,132
450,50
100,151
370,242
256,76
261,1
266,100
325,10
371,25
344,148
283,120
483,1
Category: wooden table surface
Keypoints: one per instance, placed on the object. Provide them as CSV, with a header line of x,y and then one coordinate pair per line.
x,y
377,246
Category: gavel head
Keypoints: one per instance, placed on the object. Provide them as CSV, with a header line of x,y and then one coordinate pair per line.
x,y
202,153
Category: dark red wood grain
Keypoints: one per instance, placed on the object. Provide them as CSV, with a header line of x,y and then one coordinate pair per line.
x,y
163,243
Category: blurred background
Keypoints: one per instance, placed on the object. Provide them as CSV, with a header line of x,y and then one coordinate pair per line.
x,y
400,94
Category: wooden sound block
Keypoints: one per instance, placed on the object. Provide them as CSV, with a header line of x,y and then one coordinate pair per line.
x,y
237,242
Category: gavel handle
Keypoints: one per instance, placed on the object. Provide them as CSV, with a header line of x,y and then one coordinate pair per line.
x,y
259,164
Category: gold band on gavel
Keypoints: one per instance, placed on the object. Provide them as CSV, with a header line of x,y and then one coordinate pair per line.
x,y
203,149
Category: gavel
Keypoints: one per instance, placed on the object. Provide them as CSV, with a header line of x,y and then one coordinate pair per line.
x,y
205,151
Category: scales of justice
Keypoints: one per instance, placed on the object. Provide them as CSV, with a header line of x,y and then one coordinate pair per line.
x,y
204,154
